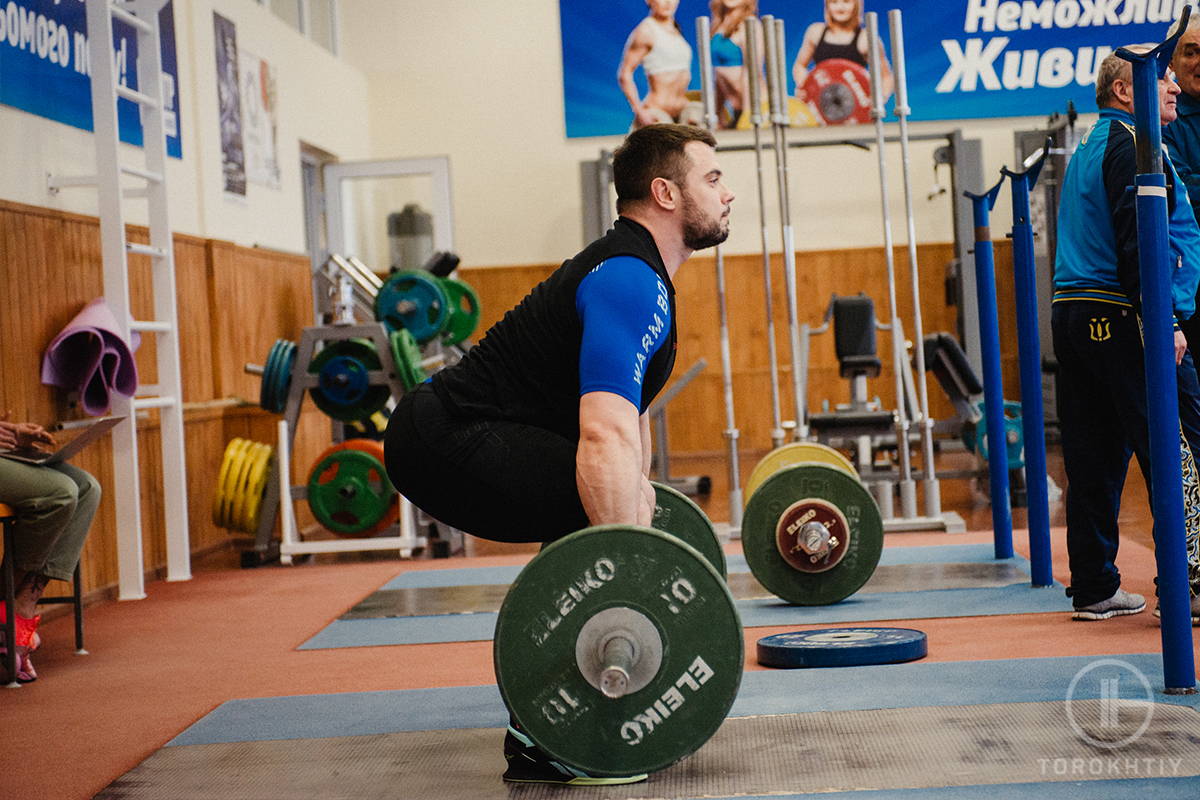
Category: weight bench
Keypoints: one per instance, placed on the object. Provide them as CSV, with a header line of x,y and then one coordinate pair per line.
x,y
854,325
944,357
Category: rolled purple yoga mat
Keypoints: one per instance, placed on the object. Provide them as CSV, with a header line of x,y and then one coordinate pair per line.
x,y
89,357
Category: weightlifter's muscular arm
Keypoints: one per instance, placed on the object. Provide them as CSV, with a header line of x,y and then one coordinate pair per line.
x,y
625,320
608,464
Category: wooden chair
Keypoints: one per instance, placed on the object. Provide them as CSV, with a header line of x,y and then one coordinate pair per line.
x,y
7,518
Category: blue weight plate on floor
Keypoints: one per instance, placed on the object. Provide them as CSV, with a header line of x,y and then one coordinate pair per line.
x,y
842,647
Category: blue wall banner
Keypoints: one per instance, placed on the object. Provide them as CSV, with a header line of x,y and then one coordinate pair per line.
x,y
44,66
965,58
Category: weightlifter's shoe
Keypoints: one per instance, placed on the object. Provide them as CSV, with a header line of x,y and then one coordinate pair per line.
x,y
1119,604
1195,610
528,764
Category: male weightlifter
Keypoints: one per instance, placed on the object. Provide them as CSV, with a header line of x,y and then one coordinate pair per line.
x,y
544,421
1096,327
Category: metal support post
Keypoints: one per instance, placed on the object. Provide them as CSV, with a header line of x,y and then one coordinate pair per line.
x,y
1162,402
731,431
752,30
908,491
933,494
777,104
993,380
1030,356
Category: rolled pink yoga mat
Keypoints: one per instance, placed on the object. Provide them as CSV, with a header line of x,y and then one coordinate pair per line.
x,y
90,357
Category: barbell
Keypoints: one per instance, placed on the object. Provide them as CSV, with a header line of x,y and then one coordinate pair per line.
x,y
812,534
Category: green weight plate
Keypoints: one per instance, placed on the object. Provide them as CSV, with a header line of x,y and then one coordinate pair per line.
x,y
373,399
676,514
348,491
795,453
407,355
642,585
776,519
464,310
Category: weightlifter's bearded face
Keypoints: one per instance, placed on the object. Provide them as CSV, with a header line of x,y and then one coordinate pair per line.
x,y
705,200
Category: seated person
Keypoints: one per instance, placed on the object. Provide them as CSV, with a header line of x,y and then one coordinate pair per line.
x,y
54,505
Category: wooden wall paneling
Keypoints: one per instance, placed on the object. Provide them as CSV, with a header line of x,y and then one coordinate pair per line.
x,y
697,414
51,267
256,297
195,319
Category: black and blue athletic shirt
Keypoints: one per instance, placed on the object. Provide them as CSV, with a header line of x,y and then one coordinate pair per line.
x,y
626,314
603,321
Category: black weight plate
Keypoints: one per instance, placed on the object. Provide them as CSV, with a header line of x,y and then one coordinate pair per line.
x,y
676,514
624,570
770,508
842,647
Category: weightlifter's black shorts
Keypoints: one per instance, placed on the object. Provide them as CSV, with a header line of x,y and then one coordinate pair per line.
x,y
494,479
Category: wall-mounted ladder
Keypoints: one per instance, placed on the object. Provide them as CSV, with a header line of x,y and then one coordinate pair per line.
x,y
167,394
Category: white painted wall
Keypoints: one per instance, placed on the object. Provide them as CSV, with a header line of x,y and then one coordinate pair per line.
x,y
483,84
322,101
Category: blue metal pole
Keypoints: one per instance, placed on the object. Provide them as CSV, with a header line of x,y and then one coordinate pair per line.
x,y
993,381
1166,474
1029,351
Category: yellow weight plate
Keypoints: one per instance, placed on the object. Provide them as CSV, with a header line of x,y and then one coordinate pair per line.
x,y
256,484
231,449
796,453
241,488
232,480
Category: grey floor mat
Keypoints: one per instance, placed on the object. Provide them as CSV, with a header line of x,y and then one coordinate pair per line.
x,y
749,756
473,599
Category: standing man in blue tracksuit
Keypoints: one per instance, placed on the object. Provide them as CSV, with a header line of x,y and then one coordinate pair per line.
x,y
1182,137
1097,339
545,419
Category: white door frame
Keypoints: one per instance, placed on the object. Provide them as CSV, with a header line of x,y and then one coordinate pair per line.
x,y
339,218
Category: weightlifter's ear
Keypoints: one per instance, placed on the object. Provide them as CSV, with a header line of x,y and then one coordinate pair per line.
x,y
665,193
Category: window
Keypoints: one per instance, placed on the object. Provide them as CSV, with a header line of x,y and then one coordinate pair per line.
x,y
316,19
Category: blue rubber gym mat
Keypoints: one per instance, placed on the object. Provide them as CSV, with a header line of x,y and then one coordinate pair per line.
x,y
911,685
